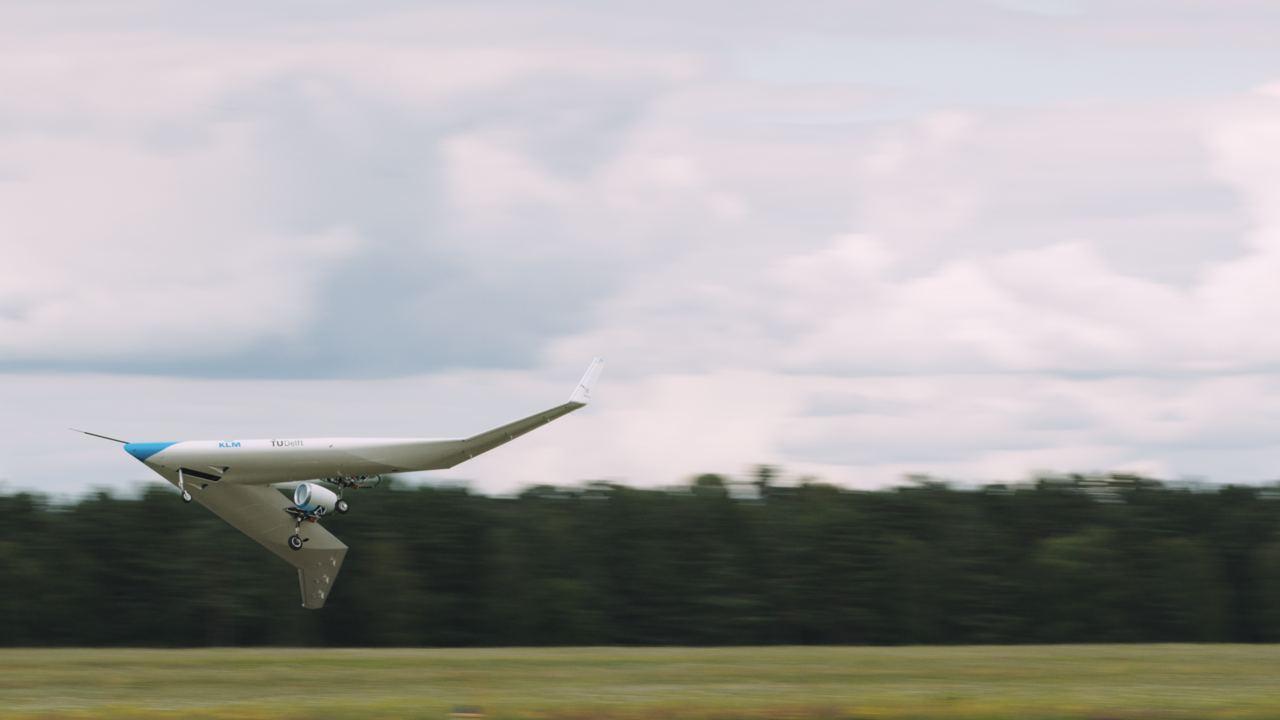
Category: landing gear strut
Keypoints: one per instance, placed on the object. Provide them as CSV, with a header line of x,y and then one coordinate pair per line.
x,y
296,540
311,500
344,483
186,496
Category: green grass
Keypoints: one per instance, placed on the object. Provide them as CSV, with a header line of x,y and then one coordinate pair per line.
x,y
1095,682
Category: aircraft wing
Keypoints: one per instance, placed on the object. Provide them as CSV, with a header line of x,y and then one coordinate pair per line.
x,y
267,516
451,452
259,512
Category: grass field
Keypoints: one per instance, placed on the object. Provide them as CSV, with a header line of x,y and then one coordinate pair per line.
x,y
1095,682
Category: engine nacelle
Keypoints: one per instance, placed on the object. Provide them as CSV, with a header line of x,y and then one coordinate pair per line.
x,y
314,499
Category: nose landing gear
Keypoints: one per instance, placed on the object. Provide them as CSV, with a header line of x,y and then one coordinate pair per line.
x,y
186,496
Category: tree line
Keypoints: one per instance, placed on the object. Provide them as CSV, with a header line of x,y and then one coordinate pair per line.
x,y
714,562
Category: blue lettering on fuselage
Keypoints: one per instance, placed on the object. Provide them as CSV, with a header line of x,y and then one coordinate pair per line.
x,y
229,444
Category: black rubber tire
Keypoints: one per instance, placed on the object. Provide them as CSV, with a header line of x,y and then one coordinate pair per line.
x,y
295,542
342,507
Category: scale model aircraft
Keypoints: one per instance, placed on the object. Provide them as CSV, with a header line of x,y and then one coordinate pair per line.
x,y
234,479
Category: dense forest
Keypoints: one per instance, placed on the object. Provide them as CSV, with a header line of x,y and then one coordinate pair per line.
x,y
1074,559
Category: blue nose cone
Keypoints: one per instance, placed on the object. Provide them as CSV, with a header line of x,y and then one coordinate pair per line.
x,y
142,451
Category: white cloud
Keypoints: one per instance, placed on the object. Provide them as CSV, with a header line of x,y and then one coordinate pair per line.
x,y
112,250
661,429
885,301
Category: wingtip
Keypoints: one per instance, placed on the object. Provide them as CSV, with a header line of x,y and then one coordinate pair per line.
x,y
582,393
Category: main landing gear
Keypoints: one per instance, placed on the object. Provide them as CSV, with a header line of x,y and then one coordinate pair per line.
x,y
353,483
299,516
312,501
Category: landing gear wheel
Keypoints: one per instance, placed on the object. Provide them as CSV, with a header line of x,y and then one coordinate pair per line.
x,y
186,496
342,506
295,542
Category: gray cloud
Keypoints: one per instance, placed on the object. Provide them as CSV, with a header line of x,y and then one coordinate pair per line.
x,y
860,241
318,151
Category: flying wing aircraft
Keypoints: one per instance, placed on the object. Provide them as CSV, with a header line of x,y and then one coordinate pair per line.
x,y
234,479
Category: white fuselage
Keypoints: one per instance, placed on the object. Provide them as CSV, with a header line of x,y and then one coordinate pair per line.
x,y
290,459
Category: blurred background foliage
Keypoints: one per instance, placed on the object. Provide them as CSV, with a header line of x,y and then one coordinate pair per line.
x,y
1068,559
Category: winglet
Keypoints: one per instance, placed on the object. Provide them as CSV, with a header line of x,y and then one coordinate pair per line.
x,y
582,394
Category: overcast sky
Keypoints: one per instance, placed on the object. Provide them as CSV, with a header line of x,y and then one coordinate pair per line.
x,y
853,239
